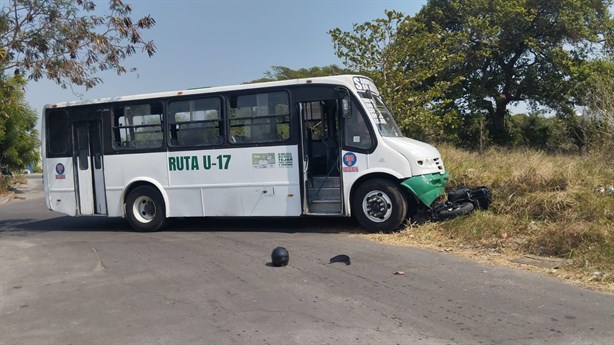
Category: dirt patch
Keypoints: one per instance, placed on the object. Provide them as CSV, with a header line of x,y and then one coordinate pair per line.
x,y
504,257
541,261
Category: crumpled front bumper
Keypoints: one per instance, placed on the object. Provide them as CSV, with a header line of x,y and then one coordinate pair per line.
x,y
427,188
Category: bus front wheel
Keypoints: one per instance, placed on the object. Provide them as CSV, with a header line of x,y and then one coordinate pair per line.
x,y
378,205
145,209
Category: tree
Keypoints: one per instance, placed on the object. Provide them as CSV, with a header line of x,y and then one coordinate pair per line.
x,y
536,51
597,92
286,73
18,136
69,41
404,60
598,113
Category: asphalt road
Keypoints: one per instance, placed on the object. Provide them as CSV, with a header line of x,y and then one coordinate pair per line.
x,y
91,280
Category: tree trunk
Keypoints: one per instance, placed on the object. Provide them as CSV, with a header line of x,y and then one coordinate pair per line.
x,y
498,130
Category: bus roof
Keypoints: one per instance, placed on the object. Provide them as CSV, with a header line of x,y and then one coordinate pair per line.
x,y
346,80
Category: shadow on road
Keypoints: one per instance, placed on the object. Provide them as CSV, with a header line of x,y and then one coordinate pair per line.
x,y
26,227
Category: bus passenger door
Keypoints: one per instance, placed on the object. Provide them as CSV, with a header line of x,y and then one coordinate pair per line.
x,y
321,152
90,167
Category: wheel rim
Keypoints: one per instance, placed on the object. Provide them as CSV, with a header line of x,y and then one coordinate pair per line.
x,y
377,206
144,209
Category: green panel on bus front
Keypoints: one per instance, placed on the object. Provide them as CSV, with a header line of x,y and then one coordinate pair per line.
x,y
428,187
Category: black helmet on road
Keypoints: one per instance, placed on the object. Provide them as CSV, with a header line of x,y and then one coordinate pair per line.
x,y
280,257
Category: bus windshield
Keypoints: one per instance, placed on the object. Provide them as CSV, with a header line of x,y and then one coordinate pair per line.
x,y
381,114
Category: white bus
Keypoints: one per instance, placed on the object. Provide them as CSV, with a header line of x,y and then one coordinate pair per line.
x,y
326,146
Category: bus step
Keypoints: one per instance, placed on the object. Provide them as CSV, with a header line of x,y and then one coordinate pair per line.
x,y
326,201
324,193
325,206
325,182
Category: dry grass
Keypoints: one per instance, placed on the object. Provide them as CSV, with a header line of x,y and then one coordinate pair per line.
x,y
547,205
8,182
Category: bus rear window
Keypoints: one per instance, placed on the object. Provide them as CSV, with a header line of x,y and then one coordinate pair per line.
x,y
58,133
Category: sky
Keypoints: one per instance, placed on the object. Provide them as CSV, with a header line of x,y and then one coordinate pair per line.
x,y
225,42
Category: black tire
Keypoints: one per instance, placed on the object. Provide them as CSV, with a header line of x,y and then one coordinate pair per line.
x,y
455,210
145,209
378,205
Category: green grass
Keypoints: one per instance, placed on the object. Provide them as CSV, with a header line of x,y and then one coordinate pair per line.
x,y
543,204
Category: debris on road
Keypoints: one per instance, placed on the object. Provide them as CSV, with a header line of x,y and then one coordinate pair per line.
x,y
341,258
280,257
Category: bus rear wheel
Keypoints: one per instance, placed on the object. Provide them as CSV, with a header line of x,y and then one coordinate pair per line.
x,y
145,209
378,205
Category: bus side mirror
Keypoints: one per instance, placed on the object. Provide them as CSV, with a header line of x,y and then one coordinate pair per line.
x,y
346,112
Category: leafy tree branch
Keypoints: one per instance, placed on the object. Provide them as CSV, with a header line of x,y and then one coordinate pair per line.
x,y
70,41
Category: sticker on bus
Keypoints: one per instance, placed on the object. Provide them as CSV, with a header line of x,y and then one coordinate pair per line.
x,y
60,169
349,162
263,160
285,160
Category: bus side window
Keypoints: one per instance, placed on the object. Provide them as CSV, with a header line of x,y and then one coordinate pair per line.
x,y
262,117
356,133
196,122
138,126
